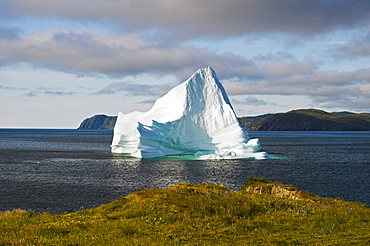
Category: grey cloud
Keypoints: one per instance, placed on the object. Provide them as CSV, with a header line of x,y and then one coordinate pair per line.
x,y
193,18
91,53
355,100
9,33
49,91
45,88
347,89
250,100
313,84
58,93
284,67
147,102
354,48
3,87
131,89
31,94
6,11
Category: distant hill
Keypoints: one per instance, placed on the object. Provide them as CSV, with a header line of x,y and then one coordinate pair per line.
x,y
250,121
314,120
295,120
98,122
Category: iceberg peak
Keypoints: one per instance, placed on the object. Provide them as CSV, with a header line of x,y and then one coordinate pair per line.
x,y
194,118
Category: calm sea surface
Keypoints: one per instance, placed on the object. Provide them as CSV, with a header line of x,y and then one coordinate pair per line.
x,y
66,170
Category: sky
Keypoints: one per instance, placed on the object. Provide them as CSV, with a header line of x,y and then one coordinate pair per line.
x,y
64,61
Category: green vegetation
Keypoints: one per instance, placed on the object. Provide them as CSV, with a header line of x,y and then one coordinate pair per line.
x,y
249,122
261,213
314,120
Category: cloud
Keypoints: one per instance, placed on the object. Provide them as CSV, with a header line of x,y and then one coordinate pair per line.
x,y
251,101
31,94
116,56
131,89
3,87
206,18
151,38
9,33
349,90
354,48
6,11
88,52
57,91
147,102
283,67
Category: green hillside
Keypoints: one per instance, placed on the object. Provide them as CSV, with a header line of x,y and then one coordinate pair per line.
x,y
249,122
261,213
314,120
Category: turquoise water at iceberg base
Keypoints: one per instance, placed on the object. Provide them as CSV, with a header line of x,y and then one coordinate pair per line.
x,y
66,170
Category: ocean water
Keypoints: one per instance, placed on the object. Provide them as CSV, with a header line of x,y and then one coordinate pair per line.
x,y
66,170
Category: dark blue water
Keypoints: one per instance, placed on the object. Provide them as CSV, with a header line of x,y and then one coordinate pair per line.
x,y
66,170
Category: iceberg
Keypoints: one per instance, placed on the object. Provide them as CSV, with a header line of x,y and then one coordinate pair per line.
x,y
194,119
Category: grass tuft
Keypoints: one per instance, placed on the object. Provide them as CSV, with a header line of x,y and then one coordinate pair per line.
x,y
261,213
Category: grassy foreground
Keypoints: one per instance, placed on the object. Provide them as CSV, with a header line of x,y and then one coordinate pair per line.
x,y
261,213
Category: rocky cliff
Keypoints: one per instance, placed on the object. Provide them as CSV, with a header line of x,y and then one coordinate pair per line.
x,y
98,122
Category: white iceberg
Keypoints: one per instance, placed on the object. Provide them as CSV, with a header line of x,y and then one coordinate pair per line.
x,y
193,119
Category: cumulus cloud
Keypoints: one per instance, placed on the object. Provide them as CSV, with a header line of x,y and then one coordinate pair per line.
x,y
94,53
88,52
193,18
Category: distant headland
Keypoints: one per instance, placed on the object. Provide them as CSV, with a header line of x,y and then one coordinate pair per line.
x,y
99,121
295,120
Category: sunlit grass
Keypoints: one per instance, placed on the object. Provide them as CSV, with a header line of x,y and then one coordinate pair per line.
x,y
206,214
